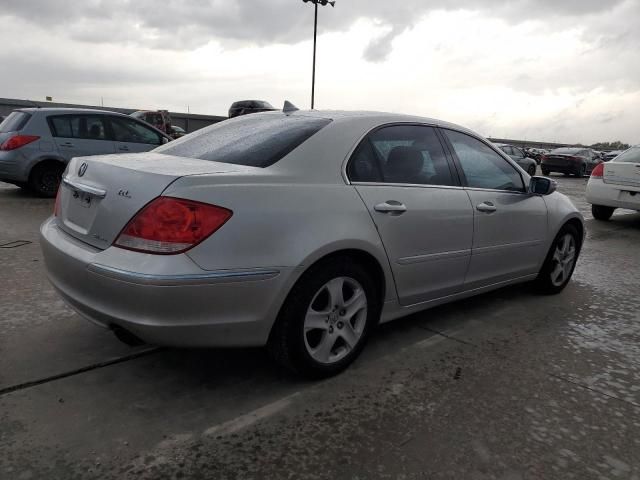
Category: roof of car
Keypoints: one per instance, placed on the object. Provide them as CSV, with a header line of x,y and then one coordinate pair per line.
x,y
68,110
373,117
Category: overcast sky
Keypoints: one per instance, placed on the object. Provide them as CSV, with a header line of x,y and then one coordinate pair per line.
x,y
556,70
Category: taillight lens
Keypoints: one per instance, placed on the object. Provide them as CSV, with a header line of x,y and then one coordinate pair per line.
x,y
170,225
543,157
598,172
17,141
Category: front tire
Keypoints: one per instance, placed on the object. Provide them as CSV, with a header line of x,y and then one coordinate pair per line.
x,y
326,319
601,212
532,171
546,172
560,262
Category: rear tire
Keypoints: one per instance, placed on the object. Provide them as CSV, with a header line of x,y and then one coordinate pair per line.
x,y
326,319
45,178
546,172
582,172
601,212
561,261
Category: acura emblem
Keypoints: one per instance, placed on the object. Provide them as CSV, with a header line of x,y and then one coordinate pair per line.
x,y
82,169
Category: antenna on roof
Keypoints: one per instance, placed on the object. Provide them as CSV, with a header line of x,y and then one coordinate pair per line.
x,y
289,107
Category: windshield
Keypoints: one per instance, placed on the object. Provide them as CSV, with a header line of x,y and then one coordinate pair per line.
x,y
257,140
629,156
14,122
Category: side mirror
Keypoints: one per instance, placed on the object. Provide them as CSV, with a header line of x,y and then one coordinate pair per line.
x,y
165,140
542,186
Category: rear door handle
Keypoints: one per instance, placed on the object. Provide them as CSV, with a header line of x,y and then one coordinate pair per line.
x,y
487,207
124,149
391,207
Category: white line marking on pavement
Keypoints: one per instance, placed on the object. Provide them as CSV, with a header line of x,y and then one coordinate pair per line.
x,y
250,418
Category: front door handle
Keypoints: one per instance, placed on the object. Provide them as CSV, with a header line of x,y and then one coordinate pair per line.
x,y
123,148
391,207
487,207
66,144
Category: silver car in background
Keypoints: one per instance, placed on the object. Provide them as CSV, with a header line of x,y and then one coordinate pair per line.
x,y
37,143
518,155
301,231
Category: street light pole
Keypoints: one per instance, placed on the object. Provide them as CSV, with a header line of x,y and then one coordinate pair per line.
x,y
315,42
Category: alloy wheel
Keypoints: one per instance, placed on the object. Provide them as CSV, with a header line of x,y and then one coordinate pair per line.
x,y
335,320
564,258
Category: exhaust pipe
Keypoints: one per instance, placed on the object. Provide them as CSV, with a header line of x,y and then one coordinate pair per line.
x,y
125,336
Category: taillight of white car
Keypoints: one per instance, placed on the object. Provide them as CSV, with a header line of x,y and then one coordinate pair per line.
x,y
168,226
598,171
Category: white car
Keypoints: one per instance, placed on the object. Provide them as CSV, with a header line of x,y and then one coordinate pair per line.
x,y
615,184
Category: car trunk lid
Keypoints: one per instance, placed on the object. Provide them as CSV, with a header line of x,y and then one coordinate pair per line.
x,y
100,194
625,174
559,160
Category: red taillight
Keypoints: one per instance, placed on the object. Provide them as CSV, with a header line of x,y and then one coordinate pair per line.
x,y
18,141
171,225
543,157
575,159
598,172
56,207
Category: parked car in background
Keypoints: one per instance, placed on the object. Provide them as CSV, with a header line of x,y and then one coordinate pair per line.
x,y
37,143
177,132
608,156
615,184
159,119
244,107
535,153
325,239
517,154
570,161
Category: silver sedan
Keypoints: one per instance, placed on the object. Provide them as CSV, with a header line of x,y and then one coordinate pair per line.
x,y
301,231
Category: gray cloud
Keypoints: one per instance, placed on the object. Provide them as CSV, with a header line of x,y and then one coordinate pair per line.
x,y
186,24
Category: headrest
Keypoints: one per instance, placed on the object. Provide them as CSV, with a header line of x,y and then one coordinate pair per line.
x,y
404,163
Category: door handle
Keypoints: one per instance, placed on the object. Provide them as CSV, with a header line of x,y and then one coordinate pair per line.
x,y
487,207
391,207
124,149
66,144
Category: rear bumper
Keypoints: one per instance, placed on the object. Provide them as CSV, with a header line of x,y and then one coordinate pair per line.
x,y
609,195
561,168
182,306
13,167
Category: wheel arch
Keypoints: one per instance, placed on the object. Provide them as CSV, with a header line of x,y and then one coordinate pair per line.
x,y
49,160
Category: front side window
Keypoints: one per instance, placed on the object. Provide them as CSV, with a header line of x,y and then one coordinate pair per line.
x,y
86,127
126,130
401,154
482,167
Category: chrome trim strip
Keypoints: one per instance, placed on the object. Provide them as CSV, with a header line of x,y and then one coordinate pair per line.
x,y
496,248
213,277
81,187
434,256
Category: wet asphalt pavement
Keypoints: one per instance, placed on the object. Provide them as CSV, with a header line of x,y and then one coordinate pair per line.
x,y
508,385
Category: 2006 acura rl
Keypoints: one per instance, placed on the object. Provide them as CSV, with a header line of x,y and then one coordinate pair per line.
x,y
301,231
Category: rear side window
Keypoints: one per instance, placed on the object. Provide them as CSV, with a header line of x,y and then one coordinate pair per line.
x,y
88,127
409,154
252,140
630,156
14,122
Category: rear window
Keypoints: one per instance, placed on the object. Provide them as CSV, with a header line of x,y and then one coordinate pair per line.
x,y
629,156
14,122
252,140
565,150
